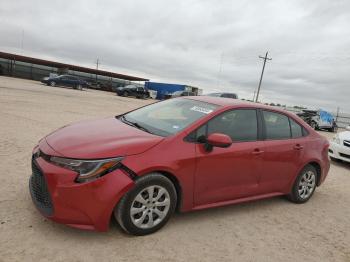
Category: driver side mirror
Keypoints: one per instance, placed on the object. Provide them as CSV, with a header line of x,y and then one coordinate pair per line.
x,y
217,140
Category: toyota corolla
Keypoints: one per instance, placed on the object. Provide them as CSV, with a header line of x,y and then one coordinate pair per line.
x,y
181,154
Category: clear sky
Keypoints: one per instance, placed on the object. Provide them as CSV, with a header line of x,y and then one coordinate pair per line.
x,y
210,44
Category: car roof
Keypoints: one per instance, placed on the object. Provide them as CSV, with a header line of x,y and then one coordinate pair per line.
x,y
229,102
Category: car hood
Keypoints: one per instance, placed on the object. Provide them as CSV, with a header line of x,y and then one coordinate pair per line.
x,y
345,135
102,138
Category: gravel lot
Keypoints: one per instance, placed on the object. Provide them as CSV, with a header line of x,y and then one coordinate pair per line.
x,y
267,230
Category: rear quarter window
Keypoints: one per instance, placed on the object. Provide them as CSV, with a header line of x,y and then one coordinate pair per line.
x,y
296,129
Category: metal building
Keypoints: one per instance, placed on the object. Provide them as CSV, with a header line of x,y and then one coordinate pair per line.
x,y
35,69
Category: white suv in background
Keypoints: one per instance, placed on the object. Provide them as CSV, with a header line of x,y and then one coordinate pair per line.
x,y
340,147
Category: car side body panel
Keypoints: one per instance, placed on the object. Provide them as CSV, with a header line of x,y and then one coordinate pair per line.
x,y
185,171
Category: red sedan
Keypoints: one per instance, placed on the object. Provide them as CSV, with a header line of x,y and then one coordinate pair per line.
x,y
181,154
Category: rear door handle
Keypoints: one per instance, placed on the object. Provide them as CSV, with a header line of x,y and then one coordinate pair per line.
x,y
298,147
257,151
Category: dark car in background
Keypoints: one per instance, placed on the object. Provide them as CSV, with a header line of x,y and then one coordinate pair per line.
x,y
228,95
133,90
65,80
179,93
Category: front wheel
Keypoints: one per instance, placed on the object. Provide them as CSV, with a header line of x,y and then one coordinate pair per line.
x,y
148,206
52,83
335,159
304,185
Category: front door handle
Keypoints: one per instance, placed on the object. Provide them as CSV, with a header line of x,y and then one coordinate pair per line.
x,y
257,151
298,147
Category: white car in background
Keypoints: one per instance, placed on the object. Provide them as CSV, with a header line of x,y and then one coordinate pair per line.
x,y
339,148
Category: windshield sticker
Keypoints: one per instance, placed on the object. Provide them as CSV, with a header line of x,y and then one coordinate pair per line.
x,y
201,109
176,127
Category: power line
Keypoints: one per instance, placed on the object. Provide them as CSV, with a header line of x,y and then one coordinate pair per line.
x,y
262,73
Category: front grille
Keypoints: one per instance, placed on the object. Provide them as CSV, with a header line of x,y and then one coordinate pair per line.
x,y
344,155
346,143
39,191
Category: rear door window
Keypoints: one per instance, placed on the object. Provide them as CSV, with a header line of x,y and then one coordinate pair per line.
x,y
297,130
277,125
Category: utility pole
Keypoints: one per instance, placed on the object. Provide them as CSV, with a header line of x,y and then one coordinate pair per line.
x,y
97,63
254,96
336,118
22,41
220,70
262,73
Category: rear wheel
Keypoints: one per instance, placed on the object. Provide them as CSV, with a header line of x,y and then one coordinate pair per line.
x,y
304,185
148,206
52,83
125,93
314,125
79,87
334,129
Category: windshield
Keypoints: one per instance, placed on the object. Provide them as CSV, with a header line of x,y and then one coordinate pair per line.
x,y
168,117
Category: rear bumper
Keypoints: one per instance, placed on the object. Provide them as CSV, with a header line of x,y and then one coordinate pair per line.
x,y
324,169
80,205
339,152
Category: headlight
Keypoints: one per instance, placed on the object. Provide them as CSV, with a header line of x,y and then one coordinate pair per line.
x,y
336,139
87,169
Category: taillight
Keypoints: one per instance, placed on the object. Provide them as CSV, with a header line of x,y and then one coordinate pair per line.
x,y
326,145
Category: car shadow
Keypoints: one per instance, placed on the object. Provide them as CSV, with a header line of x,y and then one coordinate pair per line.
x,y
340,163
182,220
231,210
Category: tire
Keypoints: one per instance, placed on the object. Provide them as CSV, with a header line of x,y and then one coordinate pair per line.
x,y
314,125
137,200
52,83
144,96
304,186
79,87
125,93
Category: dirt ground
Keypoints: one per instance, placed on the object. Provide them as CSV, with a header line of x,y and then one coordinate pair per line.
x,y
267,230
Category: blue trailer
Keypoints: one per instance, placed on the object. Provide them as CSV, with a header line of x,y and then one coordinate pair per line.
x,y
164,89
319,119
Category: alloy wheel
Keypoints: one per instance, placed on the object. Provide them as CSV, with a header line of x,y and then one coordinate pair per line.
x,y
307,184
150,207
